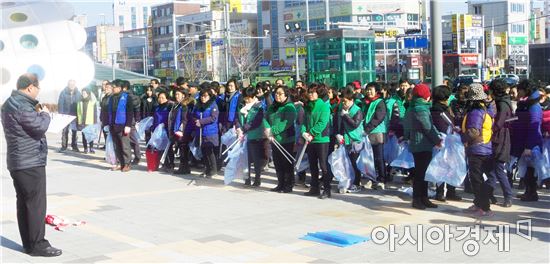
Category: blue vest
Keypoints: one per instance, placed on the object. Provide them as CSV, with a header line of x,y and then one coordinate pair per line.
x,y
210,129
233,104
161,116
120,115
177,122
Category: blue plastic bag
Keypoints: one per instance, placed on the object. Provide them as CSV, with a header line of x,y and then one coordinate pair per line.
x,y
449,164
159,138
237,167
405,160
365,162
91,132
391,149
229,137
142,126
110,155
341,167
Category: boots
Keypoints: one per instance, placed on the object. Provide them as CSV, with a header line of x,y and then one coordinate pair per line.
x,y
288,183
280,182
439,192
451,194
325,194
418,204
257,181
530,180
428,203
91,148
212,166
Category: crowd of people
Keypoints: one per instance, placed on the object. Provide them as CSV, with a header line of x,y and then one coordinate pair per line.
x,y
498,124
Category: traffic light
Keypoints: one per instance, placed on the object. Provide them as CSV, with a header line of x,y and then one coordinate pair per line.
x,y
412,31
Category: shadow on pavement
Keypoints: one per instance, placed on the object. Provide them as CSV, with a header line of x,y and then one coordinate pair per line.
x,y
8,243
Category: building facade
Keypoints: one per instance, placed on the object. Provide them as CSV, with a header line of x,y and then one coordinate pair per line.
x,y
133,14
163,41
103,43
511,19
388,18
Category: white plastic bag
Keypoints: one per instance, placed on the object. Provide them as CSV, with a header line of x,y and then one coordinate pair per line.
x,y
341,167
159,138
91,132
541,165
110,155
142,126
405,160
449,164
237,167
229,137
391,149
365,162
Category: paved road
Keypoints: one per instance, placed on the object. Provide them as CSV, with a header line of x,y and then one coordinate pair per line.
x,y
157,217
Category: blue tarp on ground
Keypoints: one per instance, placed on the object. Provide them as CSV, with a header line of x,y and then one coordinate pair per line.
x,y
335,238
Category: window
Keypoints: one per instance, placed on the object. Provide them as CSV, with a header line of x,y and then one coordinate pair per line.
x,y
121,21
169,29
145,16
162,12
518,28
168,11
517,8
155,14
133,10
477,10
162,30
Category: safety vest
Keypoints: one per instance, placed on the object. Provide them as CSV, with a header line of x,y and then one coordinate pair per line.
x,y
349,134
120,115
210,129
381,128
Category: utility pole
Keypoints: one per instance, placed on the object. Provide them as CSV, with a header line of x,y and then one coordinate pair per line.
x,y
297,60
175,41
327,15
307,16
227,40
437,43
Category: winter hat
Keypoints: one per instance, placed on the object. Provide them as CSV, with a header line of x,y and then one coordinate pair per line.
x,y
476,92
422,91
356,85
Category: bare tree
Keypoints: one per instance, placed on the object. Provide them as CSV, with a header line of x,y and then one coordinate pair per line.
x,y
193,67
244,52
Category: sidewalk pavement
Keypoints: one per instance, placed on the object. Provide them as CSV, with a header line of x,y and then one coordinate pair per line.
x,y
158,217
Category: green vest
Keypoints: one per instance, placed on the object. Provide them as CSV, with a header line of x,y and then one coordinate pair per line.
x,y
316,122
390,102
350,135
381,128
256,133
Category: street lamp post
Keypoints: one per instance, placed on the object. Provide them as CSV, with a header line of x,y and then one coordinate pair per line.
x,y
296,39
385,24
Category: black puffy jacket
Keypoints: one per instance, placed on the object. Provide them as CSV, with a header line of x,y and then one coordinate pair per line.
x,y
25,130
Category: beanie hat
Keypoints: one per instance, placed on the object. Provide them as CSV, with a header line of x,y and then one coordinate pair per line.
x,y
356,85
422,91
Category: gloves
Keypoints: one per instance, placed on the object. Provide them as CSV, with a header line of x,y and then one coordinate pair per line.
x,y
267,133
307,136
340,139
106,128
127,130
344,112
240,134
179,134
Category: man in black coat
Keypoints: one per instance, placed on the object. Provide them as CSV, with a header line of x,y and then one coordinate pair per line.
x,y
136,103
120,110
25,123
